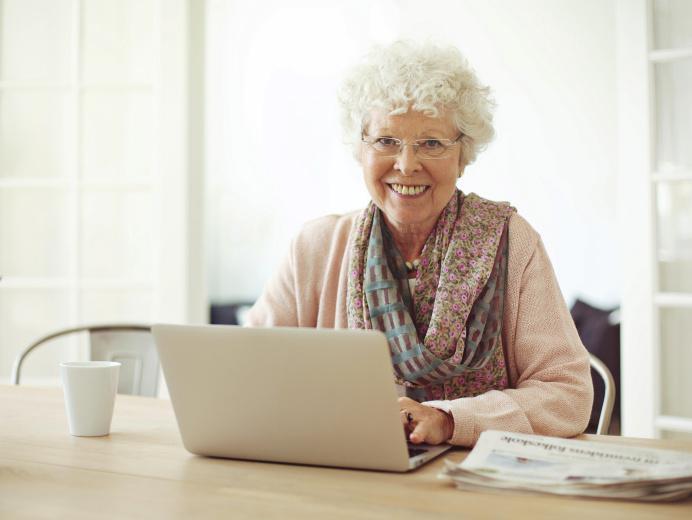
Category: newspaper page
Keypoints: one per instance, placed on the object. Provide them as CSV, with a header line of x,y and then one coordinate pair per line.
x,y
512,461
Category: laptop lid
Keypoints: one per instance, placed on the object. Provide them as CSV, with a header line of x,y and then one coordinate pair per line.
x,y
295,395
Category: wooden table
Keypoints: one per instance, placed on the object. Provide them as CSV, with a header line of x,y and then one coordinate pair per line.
x,y
142,470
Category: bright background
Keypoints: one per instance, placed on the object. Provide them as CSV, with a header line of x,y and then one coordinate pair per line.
x,y
275,156
157,156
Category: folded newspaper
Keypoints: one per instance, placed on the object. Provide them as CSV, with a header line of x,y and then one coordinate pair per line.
x,y
532,463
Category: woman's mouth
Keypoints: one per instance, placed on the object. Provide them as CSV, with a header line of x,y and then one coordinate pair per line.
x,y
407,190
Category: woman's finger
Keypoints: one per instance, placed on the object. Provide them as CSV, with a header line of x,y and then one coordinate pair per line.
x,y
407,402
420,432
408,420
407,407
405,417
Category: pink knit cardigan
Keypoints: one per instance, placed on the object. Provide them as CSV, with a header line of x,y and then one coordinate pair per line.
x,y
550,390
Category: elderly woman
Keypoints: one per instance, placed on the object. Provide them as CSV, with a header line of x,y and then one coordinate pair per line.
x,y
479,334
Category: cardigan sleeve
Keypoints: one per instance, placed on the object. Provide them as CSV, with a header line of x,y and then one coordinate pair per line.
x,y
277,306
299,294
552,393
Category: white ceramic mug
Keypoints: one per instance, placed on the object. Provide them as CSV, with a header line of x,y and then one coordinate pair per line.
x,y
89,388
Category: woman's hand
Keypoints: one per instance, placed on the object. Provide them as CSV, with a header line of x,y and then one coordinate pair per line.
x,y
425,424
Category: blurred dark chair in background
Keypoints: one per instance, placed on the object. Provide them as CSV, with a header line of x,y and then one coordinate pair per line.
x,y
229,313
599,330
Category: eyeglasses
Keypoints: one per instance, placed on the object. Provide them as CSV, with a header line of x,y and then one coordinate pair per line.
x,y
425,148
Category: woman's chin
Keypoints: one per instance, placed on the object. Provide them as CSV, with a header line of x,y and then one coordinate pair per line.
x,y
406,219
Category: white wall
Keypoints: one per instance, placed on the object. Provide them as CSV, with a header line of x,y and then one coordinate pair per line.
x,y
275,155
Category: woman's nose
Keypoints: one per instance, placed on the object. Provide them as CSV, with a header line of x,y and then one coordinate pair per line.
x,y
407,161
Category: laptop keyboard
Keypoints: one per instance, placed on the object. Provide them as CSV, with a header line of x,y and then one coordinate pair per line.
x,y
413,451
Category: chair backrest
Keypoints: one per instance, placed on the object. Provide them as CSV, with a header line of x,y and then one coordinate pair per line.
x,y
130,344
608,397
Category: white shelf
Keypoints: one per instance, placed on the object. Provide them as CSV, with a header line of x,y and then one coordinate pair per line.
x,y
34,85
671,423
35,182
668,55
672,176
118,184
669,299
98,284
99,184
42,85
115,285
676,256
35,283
117,86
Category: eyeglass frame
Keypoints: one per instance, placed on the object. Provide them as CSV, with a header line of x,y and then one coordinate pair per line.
x,y
415,144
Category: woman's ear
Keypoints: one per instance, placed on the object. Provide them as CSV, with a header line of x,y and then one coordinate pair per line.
x,y
462,165
358,153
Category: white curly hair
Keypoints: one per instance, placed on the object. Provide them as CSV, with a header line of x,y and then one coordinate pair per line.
x,y
425,77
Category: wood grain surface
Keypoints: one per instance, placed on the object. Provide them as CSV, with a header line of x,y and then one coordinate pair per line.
x,y
141,470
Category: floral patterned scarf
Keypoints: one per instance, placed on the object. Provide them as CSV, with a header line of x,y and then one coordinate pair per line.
x,y
456,305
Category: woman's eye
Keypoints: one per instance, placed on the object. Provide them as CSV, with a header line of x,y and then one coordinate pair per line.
x,y
387,141
431,144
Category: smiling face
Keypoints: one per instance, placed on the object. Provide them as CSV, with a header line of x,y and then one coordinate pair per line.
x,y
410,191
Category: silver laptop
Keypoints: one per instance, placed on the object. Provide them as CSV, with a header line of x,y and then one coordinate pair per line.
x,y
295,395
